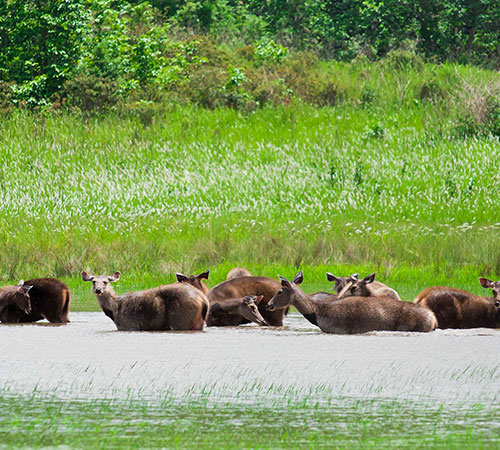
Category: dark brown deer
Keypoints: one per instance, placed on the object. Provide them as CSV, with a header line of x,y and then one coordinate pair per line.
x,y
195,280
50,299
177,306
238,272
228,312
367,287
354,314
14,302
456,308
243,286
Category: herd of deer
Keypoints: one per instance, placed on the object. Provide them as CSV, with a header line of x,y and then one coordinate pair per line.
x,y
359,305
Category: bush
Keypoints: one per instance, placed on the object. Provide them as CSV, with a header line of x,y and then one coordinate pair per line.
x,y
90,92
479,108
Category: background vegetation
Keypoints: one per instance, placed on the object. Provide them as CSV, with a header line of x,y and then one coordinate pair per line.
x,y
91,54
164,136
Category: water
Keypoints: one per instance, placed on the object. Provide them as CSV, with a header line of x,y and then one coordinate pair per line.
x,y
89,359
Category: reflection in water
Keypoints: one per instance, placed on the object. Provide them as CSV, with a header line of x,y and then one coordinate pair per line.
x,y
249,365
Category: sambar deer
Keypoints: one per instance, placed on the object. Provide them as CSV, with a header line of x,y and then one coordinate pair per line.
x,y
367,287
177,306
456,308
243,286
238,272
195,280
353,315
228,312
14,301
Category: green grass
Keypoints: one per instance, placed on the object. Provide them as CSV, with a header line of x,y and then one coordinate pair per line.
x,y
386,185
36,421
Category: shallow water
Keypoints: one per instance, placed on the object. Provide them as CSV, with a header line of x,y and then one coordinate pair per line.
x,y
89,359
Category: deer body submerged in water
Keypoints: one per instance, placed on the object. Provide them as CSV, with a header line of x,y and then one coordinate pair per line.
x,y
354,314
367,287
243,286
14,301
177,306
226,311
456,308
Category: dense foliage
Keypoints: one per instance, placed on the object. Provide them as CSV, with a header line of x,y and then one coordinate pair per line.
x,y
95,53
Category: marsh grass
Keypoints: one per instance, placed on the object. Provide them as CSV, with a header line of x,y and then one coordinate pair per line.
x,y
381,183
38,421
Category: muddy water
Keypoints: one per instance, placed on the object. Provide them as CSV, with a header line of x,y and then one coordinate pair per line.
x,y
88,359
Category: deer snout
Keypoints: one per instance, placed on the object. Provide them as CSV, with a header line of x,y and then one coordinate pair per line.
x,y
28,310
98,290
270,307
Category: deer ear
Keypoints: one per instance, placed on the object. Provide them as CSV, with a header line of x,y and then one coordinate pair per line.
x,y
298,278
484,282
284,282
369,279
204,275
331,277
248,299
87,277
115,276
181,278
355,276
24,289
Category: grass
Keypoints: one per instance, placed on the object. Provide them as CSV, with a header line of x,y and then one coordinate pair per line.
x,y
37,421
384,184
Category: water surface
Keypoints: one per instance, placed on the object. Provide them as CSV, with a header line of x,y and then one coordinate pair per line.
x,y
89,359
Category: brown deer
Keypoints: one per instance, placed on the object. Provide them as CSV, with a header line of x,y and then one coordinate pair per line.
x,y
354,314
238,272
243,286
456,308
228,312
340,282
367,287
50,299
14,301
177,306
323,297
195,280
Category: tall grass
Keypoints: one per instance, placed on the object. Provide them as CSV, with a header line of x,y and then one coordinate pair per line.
x,y
384,182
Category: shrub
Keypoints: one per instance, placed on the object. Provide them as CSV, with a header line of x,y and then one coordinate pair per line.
x,y
89,92
479,108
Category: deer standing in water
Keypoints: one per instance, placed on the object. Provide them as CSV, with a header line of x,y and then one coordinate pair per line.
x,y
226,311
354,314
367,287
340,282
14,301
229,312
177,306
241,287
456,308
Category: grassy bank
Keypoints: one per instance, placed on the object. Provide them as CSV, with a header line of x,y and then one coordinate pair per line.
x,y
390,185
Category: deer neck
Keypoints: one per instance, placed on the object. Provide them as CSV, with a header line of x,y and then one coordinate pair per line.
x,y
108,300
305,306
